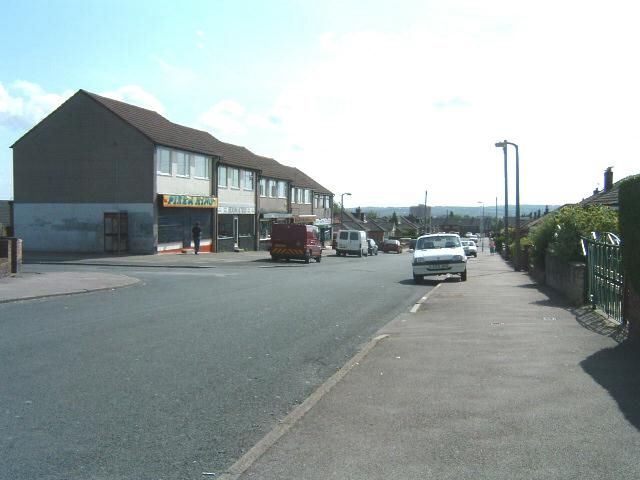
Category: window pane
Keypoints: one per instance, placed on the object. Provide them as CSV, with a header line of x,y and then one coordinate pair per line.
x,y
164,161
182,164
263,187
235,178
222,176
201,166
273,192
282,189
248,180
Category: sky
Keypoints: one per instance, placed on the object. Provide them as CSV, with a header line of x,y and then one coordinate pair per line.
x,y
383,100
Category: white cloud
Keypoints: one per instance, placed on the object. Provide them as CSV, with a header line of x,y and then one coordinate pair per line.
x,y
23,104
136,95
386,115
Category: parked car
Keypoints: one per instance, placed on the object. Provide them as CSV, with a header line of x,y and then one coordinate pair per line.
x,y
295,240
392,246
373,246
439,254
470,248
352,242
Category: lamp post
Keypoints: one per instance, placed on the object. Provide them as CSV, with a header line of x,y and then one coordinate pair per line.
x,y
425,211
342,207
503,145
482,228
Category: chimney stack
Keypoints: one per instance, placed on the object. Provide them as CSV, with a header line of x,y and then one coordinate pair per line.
x,y
608,179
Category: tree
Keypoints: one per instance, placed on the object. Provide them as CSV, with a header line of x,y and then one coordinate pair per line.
x,y
394,218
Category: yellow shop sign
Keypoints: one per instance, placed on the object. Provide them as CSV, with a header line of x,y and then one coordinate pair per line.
x,y
189,201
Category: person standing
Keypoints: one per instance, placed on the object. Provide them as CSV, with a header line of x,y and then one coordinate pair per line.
x,y
196,232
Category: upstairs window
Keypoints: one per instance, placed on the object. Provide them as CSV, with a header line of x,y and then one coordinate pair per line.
x,y
273,189
247,182
263,187
164,161
234,177
201,166
282,189
222,176
182,164
307,196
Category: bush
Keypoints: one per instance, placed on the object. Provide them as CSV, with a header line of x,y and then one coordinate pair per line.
x,y
629,199
560,232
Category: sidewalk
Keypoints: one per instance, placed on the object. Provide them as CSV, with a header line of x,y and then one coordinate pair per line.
x,y
30,285
490,379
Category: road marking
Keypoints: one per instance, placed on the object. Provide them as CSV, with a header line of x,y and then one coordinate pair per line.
x,y
416,307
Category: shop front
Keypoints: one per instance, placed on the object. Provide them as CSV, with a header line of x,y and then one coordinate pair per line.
x,y
236,228
177,214
324,229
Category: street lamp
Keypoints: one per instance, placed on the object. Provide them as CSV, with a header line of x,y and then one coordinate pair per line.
x,y
482,228
425,211
503,145
342,207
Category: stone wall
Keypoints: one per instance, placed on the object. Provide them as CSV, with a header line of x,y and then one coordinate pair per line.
x,y
567,278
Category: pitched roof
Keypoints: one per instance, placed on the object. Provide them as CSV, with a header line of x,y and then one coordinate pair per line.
x,y
608,198
159,129
164,132
301,179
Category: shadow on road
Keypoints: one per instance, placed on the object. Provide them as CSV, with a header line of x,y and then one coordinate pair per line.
x,y
617,371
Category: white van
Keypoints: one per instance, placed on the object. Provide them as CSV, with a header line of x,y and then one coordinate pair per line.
x,y
353,242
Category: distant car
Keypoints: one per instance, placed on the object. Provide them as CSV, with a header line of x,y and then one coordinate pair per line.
x,y
439,254
372,248
392,246
470,248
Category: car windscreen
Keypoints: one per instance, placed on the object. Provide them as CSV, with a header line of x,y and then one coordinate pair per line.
x,y
429,243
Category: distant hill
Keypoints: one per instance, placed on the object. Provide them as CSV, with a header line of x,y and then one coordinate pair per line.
x,y
441,211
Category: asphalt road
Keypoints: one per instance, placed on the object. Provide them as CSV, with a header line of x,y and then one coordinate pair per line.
x,y
184,372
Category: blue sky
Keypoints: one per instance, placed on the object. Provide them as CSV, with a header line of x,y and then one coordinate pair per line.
x,y
381,99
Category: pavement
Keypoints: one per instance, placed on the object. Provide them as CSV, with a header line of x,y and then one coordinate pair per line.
x,y
493,378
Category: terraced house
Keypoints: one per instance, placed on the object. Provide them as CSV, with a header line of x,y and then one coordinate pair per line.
x,y
99,175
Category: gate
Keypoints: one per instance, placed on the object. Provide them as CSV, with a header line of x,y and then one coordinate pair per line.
x,y
116,232
605,281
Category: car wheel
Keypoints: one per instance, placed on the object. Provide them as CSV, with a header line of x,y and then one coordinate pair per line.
x,y
360,253
318,258
463,276
274,258
418,278
307,257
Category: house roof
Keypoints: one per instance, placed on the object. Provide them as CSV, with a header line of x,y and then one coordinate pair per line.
x,y
608,198
159,129
164,132
301,179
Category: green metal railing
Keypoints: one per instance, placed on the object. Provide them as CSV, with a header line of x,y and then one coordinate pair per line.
x,y
605,281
